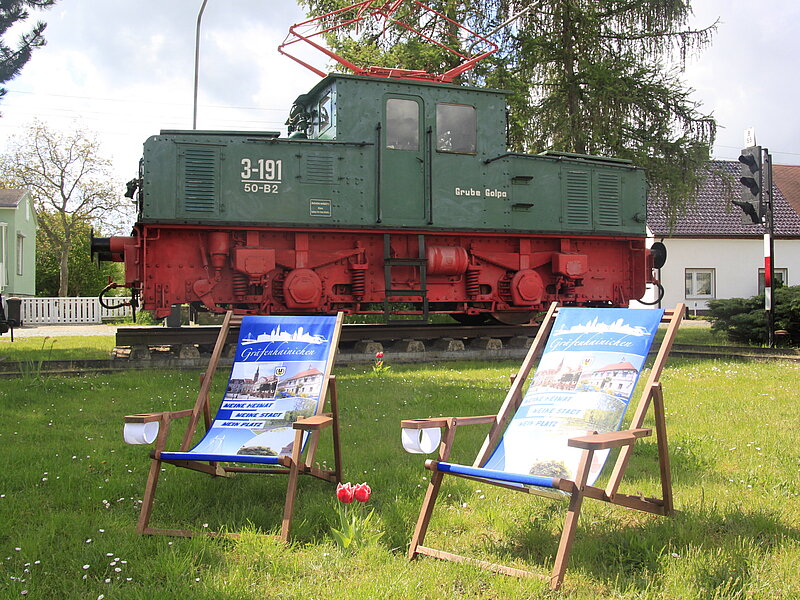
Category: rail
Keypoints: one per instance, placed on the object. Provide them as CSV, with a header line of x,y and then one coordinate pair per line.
x,y
168,360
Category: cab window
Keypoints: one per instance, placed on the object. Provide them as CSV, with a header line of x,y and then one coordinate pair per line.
x,y
325,113
456,128
402,124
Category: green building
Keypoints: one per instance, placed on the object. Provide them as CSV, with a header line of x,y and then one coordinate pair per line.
x,y
17,244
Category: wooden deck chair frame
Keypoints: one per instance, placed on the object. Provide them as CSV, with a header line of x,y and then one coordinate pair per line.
x,y
578,489
293,466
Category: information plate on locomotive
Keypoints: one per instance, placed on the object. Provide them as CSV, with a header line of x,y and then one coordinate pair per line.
x,y
261,175
319,207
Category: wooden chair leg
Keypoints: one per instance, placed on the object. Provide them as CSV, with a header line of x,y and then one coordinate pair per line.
x,y
663,450
337,450
425,513
291,488
149,495
152,477
571,522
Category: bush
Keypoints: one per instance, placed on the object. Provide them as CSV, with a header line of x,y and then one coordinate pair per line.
x,y
743,320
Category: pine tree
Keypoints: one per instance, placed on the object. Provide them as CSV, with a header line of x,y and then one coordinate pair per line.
x,y
13,59
589,76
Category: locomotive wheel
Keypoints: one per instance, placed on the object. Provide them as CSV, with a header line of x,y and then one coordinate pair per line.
x,y
514,318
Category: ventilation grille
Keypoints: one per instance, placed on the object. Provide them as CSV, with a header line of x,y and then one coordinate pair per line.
x,y
200,180
578,206
608,199
319,169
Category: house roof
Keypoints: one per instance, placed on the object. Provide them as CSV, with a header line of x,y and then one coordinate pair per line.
x,y
787,178
307,373
620,366
713,215
10,198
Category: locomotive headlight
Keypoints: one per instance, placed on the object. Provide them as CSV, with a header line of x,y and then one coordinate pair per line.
x,y
131,187
659,253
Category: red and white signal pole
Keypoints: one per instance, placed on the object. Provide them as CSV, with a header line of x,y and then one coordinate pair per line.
x,y
769,249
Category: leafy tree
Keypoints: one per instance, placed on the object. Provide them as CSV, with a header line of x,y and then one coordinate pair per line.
x,y
589,76
71,186
13,59
85,278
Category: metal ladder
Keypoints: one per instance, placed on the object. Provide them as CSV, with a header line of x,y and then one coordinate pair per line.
x,y
421,263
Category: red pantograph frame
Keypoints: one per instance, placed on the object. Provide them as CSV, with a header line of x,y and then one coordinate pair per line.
x,y
385,10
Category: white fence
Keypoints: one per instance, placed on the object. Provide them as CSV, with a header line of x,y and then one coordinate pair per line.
x,y
46,311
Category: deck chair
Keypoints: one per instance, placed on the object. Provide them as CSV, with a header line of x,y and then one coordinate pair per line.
x,y
272,410
554,438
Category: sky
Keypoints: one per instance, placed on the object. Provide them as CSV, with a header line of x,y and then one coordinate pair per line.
x,y
124,69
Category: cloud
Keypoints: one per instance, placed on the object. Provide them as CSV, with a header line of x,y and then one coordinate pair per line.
x,y
126,70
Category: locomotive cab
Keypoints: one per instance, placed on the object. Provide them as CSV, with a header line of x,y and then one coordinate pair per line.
x,y
405,109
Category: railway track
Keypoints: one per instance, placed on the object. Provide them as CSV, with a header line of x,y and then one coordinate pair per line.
x,y
351,333
402,344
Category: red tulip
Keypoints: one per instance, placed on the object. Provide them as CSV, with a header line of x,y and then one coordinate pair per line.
x,y
345,493
362,492
379,355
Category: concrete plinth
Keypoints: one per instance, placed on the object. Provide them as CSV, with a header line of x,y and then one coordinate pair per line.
x,y
520,341
188,351
408,346
449,345
140,353
368,347
486,343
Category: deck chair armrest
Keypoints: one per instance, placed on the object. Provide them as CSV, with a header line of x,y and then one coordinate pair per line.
x,y
143,428
150,417
442,421
313,423
423,436
612,439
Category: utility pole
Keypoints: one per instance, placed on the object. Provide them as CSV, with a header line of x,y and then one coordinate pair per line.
x,y
197,61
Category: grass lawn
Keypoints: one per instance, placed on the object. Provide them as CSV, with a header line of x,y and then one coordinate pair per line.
x,y
56,348
70,491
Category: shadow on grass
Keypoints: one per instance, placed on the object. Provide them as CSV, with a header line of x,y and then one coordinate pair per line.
x,y
705,551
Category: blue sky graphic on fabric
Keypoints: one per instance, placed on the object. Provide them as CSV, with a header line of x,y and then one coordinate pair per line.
x,y
277,377
583,383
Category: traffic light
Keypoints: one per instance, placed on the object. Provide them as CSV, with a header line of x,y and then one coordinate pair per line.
x,y
751,179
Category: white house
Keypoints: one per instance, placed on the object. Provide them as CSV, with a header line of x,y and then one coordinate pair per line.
x,y
712,254
307,383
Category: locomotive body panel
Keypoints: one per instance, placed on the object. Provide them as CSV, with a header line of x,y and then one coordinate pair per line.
x,y
411,155
290,270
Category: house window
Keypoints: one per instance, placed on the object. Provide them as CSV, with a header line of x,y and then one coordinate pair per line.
x,y
20,246
700,283
781,277
2,255
456,128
